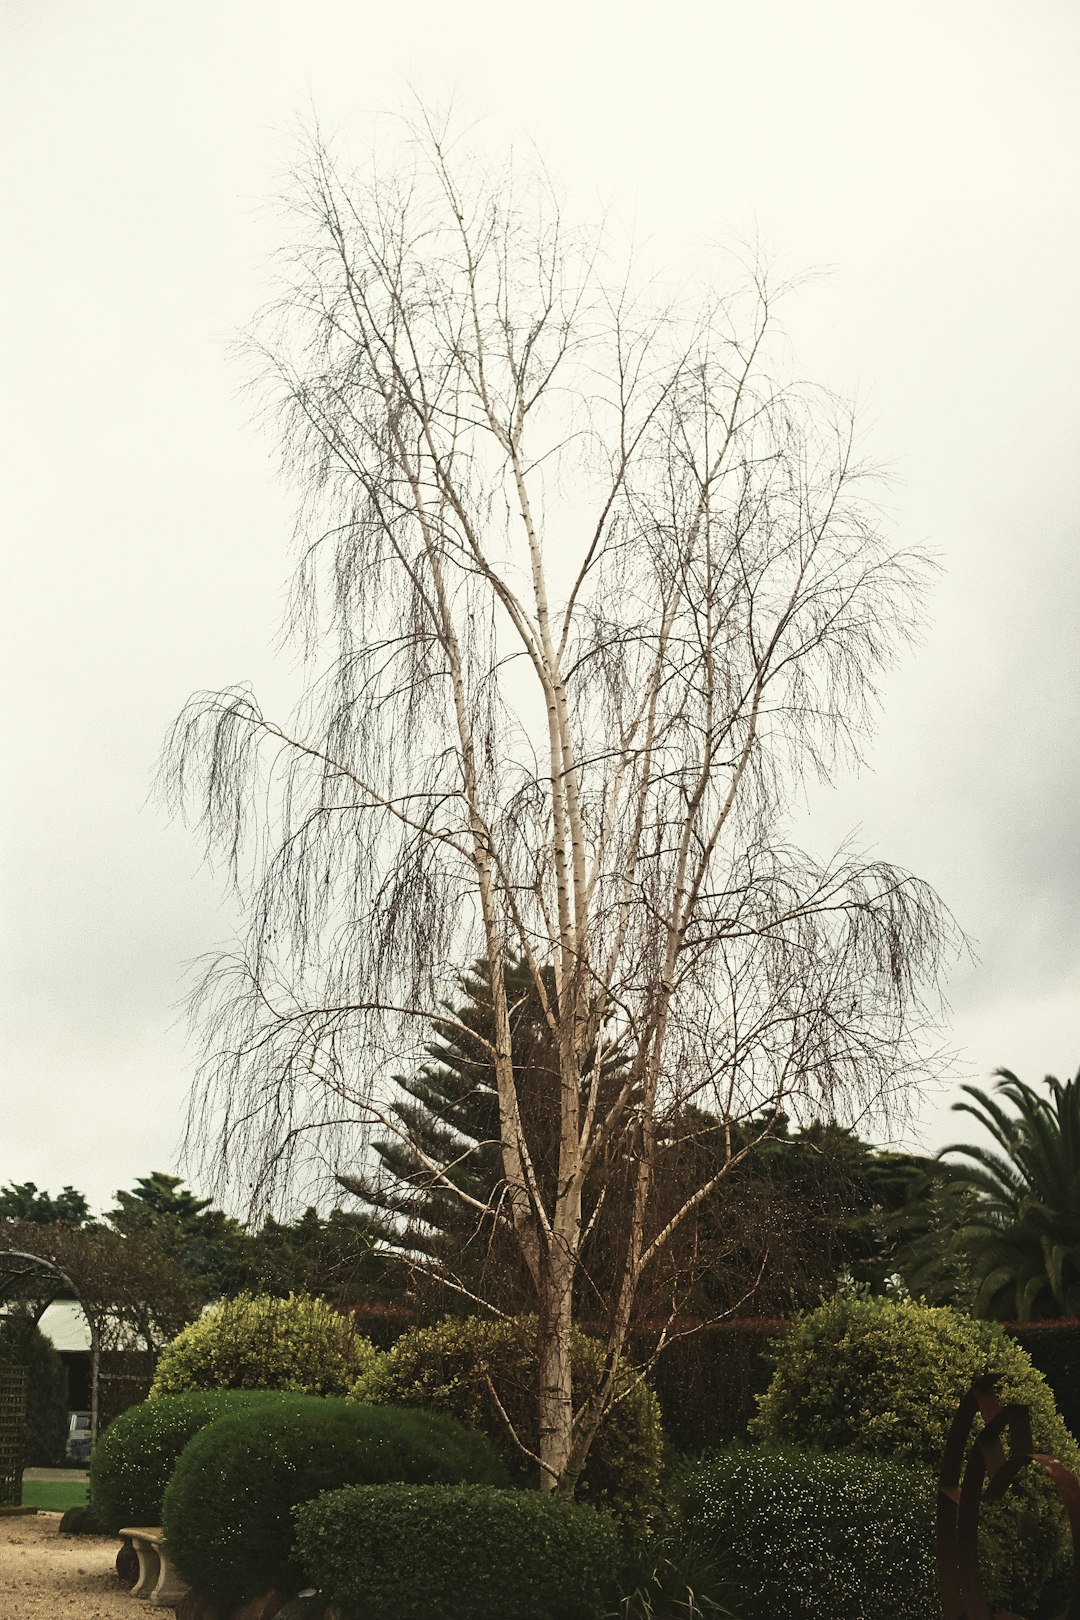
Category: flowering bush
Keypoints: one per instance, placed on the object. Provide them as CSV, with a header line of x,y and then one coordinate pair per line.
x,y
256,1341
809,1536
885,1377
134,1459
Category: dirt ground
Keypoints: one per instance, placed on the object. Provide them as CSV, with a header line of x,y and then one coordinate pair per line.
x,y
44,1575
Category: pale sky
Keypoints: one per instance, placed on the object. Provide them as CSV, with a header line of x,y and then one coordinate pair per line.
x,y
927,156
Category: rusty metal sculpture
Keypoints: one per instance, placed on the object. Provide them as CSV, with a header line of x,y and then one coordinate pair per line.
x,y
961,1493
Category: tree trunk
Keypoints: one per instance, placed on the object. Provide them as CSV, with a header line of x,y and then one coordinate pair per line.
x,y
556,1385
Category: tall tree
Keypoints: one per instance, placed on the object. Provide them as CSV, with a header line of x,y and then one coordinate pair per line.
x,y
1001,1226
587,593
447,1114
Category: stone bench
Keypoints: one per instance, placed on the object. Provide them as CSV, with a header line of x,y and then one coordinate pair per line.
x,y
158,1582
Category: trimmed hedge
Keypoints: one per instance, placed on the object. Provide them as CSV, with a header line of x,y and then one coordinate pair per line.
x,y
408,1552
228,1509
448,1367
809,1536
257,1341
134,1459
885,1377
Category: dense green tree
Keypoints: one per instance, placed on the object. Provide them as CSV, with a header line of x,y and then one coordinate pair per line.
x,y
24,1345
23,1201
337,1256
1003,1221
204,1241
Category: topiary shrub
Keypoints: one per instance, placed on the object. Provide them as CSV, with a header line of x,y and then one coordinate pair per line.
x,y
22,1344
467,1552
885,1377
813,1536
133,1461
228,1508
257,1341
453,1366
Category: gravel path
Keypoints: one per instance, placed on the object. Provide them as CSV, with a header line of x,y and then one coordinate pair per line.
x,y
71,1577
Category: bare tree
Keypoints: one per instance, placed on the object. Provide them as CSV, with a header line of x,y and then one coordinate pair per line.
x,y
586,593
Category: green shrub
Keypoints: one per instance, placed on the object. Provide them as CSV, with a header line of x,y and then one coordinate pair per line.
x,y
22,1344
408,1552
812,1536
1054,1348
257,1341
453,1366
134,1459
228,1508
885,1377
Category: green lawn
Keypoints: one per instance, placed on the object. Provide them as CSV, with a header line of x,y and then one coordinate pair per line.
x,y
54,1496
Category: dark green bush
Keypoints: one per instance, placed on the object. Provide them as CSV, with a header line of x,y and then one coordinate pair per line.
x,y
453,1366
812,1536
134,1459
257,1341
23,1344
407,1552
706,1382
1054,1348
228,1508
885,1377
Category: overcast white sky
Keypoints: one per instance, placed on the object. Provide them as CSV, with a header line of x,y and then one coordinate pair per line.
x,y
928,154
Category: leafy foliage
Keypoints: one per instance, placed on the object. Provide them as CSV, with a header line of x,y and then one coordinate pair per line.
x,y
1016,1204
884,1377
228,1509
409,1552
809,1536
134,1459
23,1344
472,1367
258,1342
22,1201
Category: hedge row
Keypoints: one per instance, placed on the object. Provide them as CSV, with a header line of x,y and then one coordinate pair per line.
x,y
467,1552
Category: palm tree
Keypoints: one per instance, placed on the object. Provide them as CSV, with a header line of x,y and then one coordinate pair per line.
x,y
1019,1201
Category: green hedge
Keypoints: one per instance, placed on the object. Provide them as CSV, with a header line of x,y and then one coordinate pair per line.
x,y
257,1341
885,1377
134,1459
809,1536
453,1366
406,1552
228,1509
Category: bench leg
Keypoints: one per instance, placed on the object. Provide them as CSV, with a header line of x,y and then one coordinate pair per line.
x,y
170,1588
149,1569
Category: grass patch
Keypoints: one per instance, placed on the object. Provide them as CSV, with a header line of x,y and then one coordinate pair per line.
x,y
54,1496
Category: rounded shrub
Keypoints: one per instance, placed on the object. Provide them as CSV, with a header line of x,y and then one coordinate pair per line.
x,y
816,1536
257,1341
454,1365
134,1459
228,1508
885,1377
467,1552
